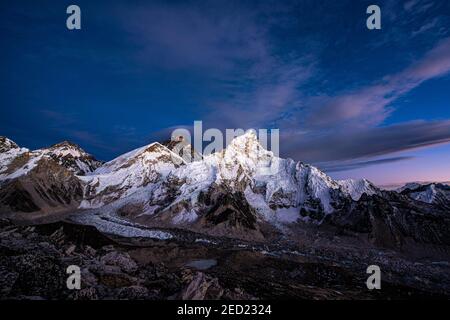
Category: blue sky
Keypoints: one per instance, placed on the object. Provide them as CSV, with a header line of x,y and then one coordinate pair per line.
x,y
355,102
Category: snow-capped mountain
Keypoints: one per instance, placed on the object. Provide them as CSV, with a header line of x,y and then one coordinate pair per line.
x,y
435,193
9,151
16,161
237,188
356,188
43,180
133,172
6,145
72,157
243,191
156,183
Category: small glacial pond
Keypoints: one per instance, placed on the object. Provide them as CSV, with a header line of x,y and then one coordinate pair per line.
x,y
201,264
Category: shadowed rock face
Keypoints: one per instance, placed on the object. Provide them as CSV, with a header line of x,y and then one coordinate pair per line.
x,y
72,157
231,214
43,181
15,198
433,193
47,188
392,218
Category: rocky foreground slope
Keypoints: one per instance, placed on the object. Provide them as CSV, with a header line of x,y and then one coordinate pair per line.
x,y
34,260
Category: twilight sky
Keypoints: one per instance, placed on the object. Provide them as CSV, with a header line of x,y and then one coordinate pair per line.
x,y
354,102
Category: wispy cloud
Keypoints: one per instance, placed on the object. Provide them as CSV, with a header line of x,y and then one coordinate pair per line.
x,y
70,127
59,118
365,143
90,139
183,36
425,27
417,5
408,5
230,43
360,164
261,102
369,106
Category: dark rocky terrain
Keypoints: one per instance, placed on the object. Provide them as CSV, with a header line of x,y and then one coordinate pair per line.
x,y
34,261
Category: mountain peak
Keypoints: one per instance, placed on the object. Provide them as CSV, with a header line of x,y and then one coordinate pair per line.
x,y
66,144
71,156
357,187
248,137
437,193
246,144
7,144
244,157
182,148
66,149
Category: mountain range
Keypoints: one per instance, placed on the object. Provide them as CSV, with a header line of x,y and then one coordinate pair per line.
x,y
243,192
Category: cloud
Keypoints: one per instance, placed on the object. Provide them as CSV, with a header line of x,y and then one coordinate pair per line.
x,y
364,107
430,25
435,63
260,102
59,118
89,138
364,143
410,4
417,5
361,164
369,106
227,44
70,127
183,36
